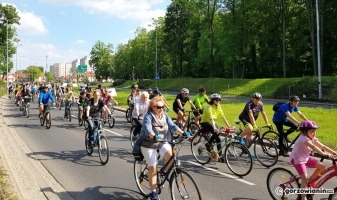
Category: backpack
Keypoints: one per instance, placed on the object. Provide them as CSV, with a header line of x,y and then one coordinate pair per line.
x,y
277,105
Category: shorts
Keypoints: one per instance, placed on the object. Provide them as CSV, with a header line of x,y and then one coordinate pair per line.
x,y
177,109
151,155
244,122
302,168
80,108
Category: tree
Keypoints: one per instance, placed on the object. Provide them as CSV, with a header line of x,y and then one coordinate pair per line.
x,y
10,17
34,72
49,76
101,58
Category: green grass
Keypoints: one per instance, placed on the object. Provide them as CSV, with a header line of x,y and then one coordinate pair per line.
x,y
326,133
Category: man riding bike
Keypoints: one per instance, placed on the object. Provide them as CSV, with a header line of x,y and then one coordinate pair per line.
x,y
44,97
179,103
199,101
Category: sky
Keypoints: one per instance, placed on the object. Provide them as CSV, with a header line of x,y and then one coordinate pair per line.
x,y
60,31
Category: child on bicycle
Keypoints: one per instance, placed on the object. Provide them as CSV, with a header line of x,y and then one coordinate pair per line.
x,y
300,155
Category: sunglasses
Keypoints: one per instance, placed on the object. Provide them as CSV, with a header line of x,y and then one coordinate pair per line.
x,y
217,99
160,107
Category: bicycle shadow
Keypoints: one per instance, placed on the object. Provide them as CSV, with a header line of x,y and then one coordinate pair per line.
x,y
124,154
105,192
79,157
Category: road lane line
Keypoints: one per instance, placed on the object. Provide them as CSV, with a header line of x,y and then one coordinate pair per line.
x,y
112,132
222,173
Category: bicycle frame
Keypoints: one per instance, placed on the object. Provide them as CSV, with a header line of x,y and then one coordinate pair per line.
x,y
288,147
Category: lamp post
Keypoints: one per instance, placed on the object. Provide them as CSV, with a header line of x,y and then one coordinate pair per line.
x,y
156,57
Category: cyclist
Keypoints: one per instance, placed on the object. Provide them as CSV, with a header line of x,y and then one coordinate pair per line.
x,y
16,88
199,101
82,103
249,116
69,98
300,155
150,91
10,89
282,117
155,93
94,109
107,98
44,97
141,108
157,125
213,111
179,103
59,93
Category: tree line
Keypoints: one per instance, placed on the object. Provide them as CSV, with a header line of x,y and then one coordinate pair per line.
x,y
227,39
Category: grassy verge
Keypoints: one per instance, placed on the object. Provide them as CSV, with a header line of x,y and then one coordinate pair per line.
x,y
326,132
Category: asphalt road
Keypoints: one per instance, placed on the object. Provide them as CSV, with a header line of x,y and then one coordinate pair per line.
x,y
61,151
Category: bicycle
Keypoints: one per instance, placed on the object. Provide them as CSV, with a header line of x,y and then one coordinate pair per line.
x,y
25,106
68,110
100,141
274,136
111,119
190,124
182,185
59,102
235,155
265,149
128,113
133,138
280,180
45,117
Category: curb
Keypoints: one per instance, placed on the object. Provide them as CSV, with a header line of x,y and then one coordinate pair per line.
x,y
31,178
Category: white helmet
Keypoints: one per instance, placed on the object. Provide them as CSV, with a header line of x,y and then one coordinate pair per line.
x,y
185,90
215,96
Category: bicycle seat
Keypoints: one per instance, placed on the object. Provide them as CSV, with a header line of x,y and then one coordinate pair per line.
x,y
237,121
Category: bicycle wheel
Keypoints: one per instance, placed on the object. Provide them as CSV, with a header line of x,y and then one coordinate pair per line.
x,y
265,152
273,136
193,128
111,121
183,186
278,176
127,115
48,120
334,195
42,118
132,138
85,123
27,112
69,114
88,149
103,150
199,150
80,120
60,105
140,172
238,159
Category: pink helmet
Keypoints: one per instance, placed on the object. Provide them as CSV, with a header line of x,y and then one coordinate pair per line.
x,y
306,125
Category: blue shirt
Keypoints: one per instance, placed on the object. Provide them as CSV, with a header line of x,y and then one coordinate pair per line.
x,y
45,96
280,115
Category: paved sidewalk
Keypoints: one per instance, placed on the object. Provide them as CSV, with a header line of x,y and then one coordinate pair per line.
x,y
31,179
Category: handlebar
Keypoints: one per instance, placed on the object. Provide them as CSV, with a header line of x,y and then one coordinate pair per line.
x,y
334,159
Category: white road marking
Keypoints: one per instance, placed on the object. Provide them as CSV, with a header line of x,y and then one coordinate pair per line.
x,y
222,173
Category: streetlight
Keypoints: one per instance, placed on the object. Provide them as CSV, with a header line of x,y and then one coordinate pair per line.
x,y
5,20
156,75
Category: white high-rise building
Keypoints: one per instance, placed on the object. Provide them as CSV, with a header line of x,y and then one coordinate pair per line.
x,y
61,70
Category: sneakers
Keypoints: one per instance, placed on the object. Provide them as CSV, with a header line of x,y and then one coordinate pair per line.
x,y
214,155
154,196
208,147
284,153
241,141
221,160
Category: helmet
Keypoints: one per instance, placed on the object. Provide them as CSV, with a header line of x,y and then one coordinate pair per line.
x,y
185,90
135,85
307,124
215,96
257,95
202,90
156,91
294,98
150,89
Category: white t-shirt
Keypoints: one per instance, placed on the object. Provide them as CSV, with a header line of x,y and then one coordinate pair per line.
x,y
142,108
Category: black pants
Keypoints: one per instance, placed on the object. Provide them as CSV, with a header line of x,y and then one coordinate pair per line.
x,y
138,126
279,126
206,126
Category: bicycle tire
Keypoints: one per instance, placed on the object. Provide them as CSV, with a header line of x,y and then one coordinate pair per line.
x,y
280,175
193,128
60,105
85,124
238,159
103,149
42,119
183,186
80,120
267,154
69,114
27,112
334,195
88,149
127,115
48,120
140,170
199,150
131,136
111,121
273,136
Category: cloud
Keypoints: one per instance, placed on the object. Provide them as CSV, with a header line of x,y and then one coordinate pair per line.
x,y
31,24
142,10
79,41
